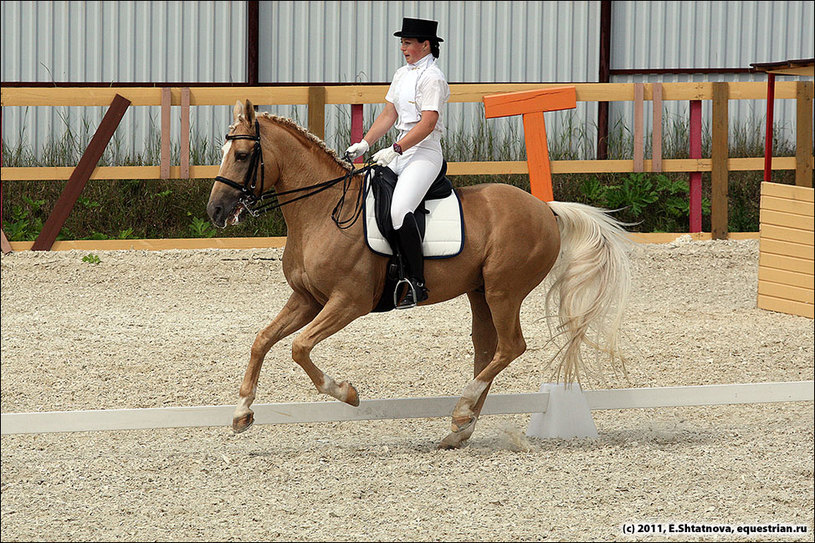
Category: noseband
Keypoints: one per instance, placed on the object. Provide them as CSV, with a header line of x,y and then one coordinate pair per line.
x,y
248,197
255,205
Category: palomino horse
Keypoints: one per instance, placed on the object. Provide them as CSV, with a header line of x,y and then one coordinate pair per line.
x,y
512,242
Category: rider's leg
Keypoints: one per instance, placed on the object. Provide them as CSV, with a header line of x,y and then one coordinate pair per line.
x,y
410,247
417,171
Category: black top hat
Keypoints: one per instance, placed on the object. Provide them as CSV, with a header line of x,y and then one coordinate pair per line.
x,y
418,28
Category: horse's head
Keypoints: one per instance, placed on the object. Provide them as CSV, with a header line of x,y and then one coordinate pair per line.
x,y
243,175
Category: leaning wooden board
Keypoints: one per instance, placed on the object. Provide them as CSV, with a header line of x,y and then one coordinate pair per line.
x,y
785,266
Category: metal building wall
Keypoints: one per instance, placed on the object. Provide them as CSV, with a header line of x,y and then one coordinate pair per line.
x,y
118,42
352,42
711,35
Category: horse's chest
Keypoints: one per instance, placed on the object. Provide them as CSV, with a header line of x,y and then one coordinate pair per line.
x,y
302,279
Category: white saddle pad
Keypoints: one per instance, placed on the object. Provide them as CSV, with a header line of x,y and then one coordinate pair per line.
x,y
444,232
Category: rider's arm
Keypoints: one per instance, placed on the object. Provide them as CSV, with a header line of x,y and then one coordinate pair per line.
x,y
382,124
419,132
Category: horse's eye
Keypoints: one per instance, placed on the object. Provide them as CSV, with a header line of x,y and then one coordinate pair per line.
x,y
241,156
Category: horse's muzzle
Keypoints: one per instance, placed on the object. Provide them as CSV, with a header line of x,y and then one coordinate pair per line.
x,y
225,215
216,214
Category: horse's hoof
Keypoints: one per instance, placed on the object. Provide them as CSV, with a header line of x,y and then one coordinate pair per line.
x,y
452,441
243,423
351,396
463,428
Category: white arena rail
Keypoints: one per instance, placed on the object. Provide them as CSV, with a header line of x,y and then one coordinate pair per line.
x,y
430,407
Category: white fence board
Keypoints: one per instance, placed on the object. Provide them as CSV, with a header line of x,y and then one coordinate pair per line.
x,y
428,407
629,398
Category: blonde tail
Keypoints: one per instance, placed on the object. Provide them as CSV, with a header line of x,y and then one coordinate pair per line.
x,y
592,283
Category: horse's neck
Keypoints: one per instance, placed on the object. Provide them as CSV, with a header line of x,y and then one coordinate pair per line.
x,y
302,163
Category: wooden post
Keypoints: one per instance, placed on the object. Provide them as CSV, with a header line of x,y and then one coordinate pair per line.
x,y
2,163
537,156
185,132
656,130
639,137
81,174
357,131
695,181
316,111
6,246
719,173
166,101
803,136
532,104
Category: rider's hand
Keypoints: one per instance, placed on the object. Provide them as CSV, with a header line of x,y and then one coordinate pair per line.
x,y
385,156
357,149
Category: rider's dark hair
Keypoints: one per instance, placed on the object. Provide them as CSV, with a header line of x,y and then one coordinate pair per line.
x,y
434,48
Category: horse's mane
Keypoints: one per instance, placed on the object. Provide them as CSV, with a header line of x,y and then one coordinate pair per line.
x,y
293,126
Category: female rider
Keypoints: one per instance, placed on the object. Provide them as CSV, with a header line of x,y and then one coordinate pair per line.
x,y
414,102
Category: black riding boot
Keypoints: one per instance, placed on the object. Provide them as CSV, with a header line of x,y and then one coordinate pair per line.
x,y
409,241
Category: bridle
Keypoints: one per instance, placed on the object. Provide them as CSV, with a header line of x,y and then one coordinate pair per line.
x,y
248,197
256,205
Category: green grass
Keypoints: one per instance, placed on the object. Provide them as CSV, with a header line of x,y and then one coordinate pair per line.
x,y
125,209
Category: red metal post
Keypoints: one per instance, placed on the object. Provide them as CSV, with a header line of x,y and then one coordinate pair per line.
x,y
696,177
768,137
252,41
356,126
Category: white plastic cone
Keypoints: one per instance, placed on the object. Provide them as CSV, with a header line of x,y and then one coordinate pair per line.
x,y
568,414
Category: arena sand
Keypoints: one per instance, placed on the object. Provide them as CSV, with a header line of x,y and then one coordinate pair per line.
x,y
173,328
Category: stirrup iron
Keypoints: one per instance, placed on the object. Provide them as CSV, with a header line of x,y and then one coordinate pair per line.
x,y
411,295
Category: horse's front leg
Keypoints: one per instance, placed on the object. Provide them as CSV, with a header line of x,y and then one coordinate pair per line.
x,y
336,314
298,311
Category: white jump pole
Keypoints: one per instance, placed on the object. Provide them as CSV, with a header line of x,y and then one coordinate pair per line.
x,y
280,413
430,407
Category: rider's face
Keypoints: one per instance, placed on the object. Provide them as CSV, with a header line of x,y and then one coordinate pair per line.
x,y
414,50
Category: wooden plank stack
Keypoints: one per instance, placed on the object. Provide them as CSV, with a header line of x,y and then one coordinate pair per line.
x,y
785,268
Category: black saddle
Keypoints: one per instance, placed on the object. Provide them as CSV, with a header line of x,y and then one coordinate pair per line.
x,y
383,183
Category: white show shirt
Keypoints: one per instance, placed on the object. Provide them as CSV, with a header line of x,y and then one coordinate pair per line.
x,y
415,88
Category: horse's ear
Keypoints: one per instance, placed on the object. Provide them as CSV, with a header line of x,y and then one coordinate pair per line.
x,y
249,111
237,111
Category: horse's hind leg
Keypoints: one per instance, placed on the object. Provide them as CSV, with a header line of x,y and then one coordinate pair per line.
x,y
501,340
334,316
297,312
485,341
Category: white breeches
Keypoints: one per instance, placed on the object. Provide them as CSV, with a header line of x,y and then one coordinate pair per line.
x,y
417,168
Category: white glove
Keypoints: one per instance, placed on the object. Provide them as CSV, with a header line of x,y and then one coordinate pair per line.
x,y
357,149
385,156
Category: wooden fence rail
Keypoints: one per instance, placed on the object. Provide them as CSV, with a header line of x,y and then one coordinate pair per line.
x,y
317,97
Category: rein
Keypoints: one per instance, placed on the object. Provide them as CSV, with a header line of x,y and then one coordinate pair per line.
x,y
256,205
